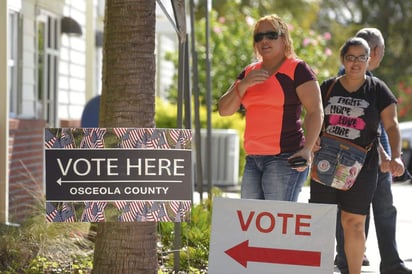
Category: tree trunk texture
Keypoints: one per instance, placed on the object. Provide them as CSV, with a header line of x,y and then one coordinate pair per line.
x,y
129,65
125,248
127,100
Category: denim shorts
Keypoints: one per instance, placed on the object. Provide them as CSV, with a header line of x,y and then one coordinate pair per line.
x,y
269,177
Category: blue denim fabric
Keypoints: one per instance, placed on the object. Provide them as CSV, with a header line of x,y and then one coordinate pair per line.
x,y
330,156
271,178
384,140
384,213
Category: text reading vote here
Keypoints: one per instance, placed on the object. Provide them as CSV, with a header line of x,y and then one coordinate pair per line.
x,y
266,222
115,166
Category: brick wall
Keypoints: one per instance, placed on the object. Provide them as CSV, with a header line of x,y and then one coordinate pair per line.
x,y
69,123
26,188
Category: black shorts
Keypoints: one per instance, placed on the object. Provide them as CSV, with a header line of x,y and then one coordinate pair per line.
x,y
356,200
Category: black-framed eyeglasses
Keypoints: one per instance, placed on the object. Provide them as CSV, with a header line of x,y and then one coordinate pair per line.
x,y
271,35
353,58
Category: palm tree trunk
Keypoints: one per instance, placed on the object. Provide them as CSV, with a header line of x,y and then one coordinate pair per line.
x,y
128,100
125,248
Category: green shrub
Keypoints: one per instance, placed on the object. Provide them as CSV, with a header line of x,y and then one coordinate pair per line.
x,y
37,246
78,265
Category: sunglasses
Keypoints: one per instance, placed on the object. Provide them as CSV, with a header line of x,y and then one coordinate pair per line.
x,y
271,35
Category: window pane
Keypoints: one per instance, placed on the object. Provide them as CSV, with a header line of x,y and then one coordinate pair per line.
x,y
40,60
13,63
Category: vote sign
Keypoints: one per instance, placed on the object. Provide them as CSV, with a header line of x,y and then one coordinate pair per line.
x,y
260,236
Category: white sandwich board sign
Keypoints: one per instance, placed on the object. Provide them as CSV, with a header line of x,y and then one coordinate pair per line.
x,y
260,236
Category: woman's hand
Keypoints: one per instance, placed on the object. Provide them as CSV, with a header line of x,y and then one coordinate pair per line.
x,y
396,167
385,165
254,77
306,154
316,147
385,159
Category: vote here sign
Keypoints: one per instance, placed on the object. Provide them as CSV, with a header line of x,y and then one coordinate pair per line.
x,y
260,236
118,174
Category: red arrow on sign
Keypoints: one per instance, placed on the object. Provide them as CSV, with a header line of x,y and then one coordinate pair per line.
x,y
243,253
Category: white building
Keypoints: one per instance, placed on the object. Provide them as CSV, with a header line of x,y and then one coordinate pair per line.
x,y
53,56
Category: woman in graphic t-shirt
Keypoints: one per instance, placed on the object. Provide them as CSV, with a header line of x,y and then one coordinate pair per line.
x,y
356,105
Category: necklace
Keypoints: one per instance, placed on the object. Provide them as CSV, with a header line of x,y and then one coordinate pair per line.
x,y
273,68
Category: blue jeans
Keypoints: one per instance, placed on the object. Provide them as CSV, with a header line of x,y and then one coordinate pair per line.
x,y
384,213
269,177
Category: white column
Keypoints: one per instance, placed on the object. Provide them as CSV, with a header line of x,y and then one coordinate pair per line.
x,y
90,50
4,116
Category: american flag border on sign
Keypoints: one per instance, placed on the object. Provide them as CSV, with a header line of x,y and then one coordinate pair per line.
x,y
118,211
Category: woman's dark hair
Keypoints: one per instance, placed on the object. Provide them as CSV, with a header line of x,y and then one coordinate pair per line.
x,y
354,41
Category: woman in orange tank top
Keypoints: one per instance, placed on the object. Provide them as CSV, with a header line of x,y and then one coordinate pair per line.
x,y
273,92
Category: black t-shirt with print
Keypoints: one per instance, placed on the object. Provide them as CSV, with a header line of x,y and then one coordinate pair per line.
x,y
355,116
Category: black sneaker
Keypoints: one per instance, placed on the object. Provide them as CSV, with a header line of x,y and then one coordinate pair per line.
x,y
365,261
